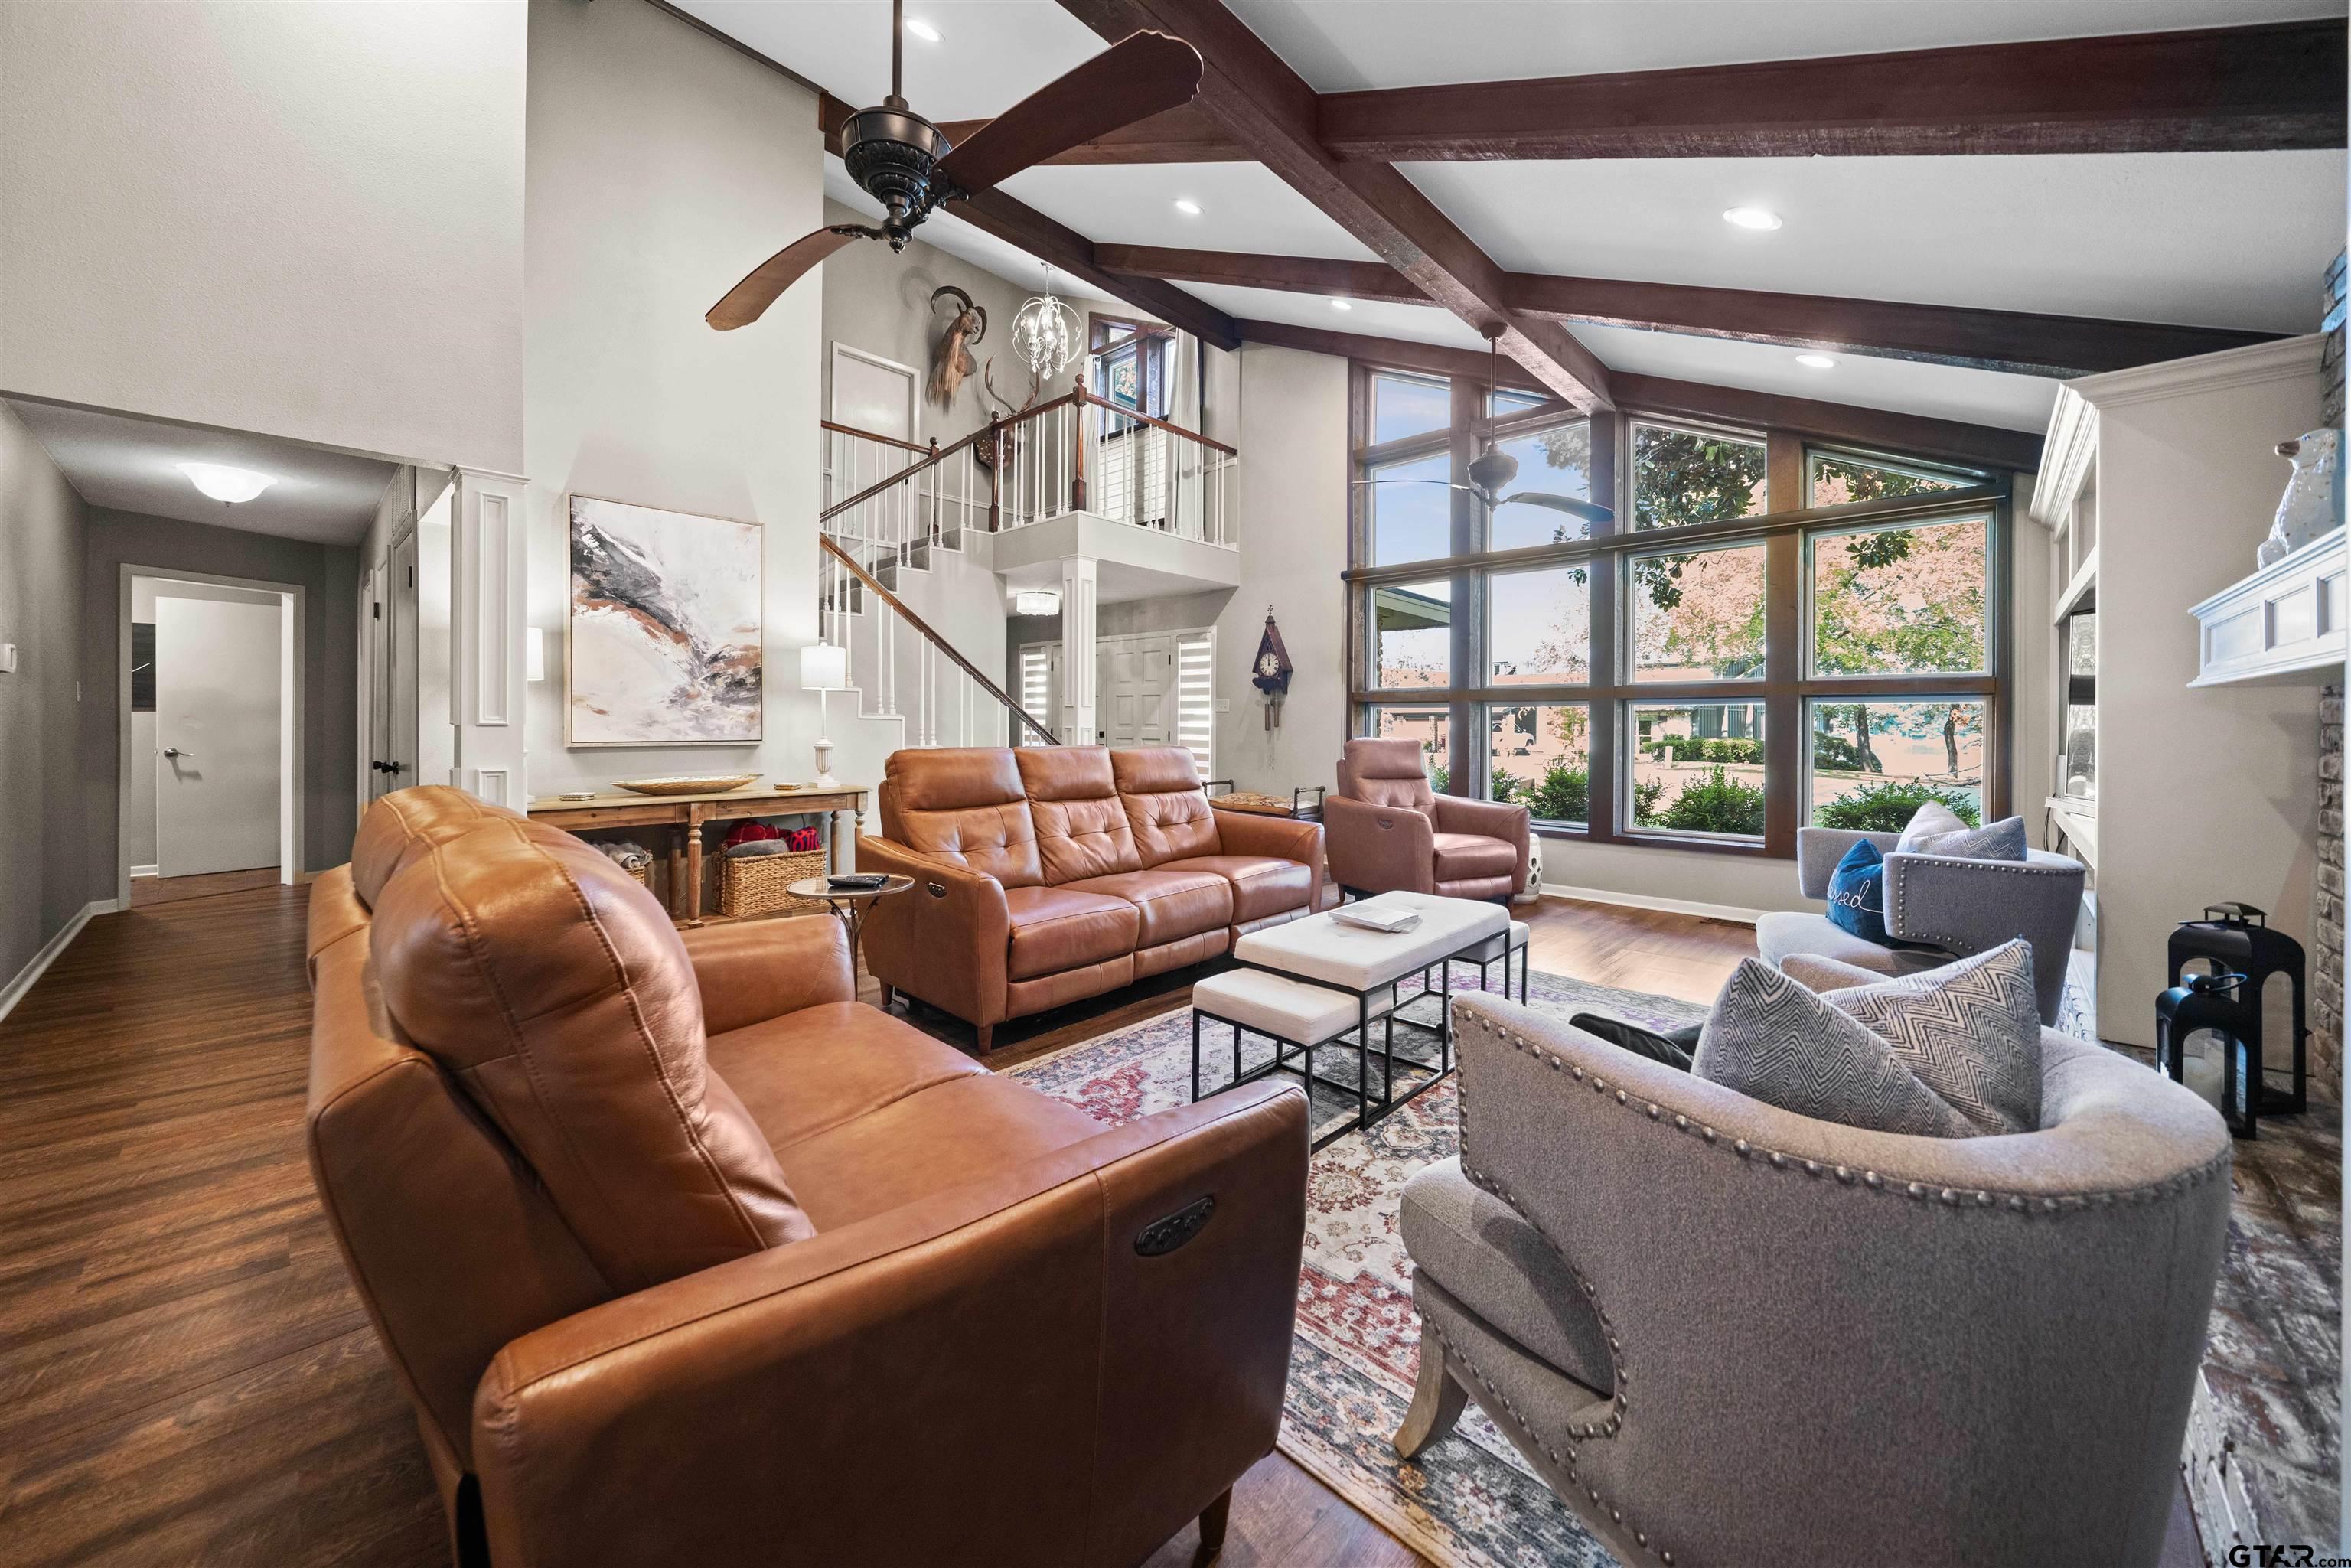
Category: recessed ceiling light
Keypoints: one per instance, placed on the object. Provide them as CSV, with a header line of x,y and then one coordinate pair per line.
x,y
1816,361
1187,206
1343,305
1752,218
923,31
222,483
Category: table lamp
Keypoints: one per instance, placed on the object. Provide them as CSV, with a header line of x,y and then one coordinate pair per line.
x,y
823,668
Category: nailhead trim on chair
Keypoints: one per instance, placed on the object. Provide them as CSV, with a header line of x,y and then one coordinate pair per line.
x,y
2005,868
2014,1202
2017,1203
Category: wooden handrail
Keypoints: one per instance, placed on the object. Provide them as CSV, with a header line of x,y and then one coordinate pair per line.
x,y
940,454
1141,418
874,435
873,585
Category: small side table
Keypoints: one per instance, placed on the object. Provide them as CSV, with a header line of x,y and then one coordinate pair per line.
x,y
852,905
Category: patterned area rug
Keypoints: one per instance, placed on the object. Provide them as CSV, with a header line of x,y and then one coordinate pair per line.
x,y
1469,1500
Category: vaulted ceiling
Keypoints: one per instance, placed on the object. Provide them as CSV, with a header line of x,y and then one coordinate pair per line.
x,y
2056,191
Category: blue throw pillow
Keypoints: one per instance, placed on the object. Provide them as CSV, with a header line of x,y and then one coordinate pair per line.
x,y
1857,894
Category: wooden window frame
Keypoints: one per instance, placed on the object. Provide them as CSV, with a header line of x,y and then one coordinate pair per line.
x,y
1784,690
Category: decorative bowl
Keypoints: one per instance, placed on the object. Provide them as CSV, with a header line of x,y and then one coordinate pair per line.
x,y
685,784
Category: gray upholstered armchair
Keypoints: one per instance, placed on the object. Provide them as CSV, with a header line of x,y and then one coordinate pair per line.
x,y
1728,1334
1949,907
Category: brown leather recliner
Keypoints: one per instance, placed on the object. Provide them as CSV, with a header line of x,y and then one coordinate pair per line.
x,y
1048,874
685,1256
1389,833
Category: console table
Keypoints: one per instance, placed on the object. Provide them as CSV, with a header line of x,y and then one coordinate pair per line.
x,y
685,816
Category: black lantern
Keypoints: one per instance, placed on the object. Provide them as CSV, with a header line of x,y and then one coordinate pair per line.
x,y
2223,1004
2237,938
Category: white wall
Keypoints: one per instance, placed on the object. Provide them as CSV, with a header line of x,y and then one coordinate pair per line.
x,y
303,220
662,166
1288,504
2203,796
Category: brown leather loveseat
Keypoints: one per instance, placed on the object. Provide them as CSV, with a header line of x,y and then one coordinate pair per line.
x,y
1048,874
685,1256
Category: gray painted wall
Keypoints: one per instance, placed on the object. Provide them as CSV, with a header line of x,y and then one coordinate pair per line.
x,y
330,574
46,865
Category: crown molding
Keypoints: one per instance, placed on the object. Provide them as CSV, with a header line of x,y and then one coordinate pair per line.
x,y
2248,366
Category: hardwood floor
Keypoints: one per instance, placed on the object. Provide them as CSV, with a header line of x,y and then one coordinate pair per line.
x,y
146,892
185,1376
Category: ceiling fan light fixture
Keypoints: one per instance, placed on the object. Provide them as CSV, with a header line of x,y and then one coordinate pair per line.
x,y
922,29
1343,305
226,484
1187,206
1816,361
1756,218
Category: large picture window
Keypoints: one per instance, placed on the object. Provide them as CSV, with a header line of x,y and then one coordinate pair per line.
x,y
1816,640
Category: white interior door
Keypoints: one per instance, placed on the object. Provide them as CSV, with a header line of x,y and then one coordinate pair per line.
x,y
1137,682
872,393
400,622
218,716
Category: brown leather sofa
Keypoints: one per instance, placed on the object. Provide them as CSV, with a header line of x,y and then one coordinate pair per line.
x,y
1389,833
684,1255
1048,874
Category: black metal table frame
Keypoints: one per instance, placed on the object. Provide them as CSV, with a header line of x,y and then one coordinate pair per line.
x,y
1367,1111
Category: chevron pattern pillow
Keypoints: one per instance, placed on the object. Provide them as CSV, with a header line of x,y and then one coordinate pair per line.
x,y
1770,1037
1970,1031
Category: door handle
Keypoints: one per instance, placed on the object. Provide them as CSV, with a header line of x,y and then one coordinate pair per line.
x,y
175,751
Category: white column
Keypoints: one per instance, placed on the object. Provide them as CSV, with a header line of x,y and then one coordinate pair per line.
x,y
1075,722
489,565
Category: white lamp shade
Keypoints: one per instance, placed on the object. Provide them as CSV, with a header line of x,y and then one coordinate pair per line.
x,y
824,667
534,653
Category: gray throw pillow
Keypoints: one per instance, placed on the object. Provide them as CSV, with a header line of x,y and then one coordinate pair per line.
x,y
1935,830
1970,1031
1770,1037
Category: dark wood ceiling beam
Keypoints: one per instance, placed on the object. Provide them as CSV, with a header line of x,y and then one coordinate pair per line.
x,y
2254,88
2212,89
2015,342
1845,425
1268,108
1018,224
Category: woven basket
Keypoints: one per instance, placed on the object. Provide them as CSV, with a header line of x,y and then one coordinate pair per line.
x,y
754,885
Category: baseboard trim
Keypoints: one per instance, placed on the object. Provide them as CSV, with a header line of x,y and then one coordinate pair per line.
x,y
14,992
140,870
1730,912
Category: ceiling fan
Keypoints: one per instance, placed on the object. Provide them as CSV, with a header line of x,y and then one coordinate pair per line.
x,y
907,163
1493,468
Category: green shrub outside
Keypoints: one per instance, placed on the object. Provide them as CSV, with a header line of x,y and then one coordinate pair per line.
x,y
1888,806
1695,749
1563,796
1718,804
1834,751
1645,801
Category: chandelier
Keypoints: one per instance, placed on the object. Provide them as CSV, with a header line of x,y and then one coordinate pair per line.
x,y
1046,332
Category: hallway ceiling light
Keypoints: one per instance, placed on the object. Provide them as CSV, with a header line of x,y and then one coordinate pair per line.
x,y
1187,206
1037,601
1753,218
1816,361
923,31
222,483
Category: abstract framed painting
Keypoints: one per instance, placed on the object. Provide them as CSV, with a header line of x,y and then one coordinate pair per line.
x,y
663,640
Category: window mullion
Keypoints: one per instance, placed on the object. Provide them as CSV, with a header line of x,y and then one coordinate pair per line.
x,y
1783,640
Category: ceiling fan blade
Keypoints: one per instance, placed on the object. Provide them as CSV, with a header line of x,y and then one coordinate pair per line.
x,y
1140,75
748,300
1590,511
1446,482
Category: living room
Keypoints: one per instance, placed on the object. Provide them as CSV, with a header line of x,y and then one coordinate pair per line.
x,y
1087,747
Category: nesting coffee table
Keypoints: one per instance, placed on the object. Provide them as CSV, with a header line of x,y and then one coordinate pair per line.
x,y
1309,984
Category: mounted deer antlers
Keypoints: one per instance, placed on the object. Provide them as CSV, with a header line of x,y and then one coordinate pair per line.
x,y
951,361
989,448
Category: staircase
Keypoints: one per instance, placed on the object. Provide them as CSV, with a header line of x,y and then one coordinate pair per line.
x,y
907,579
